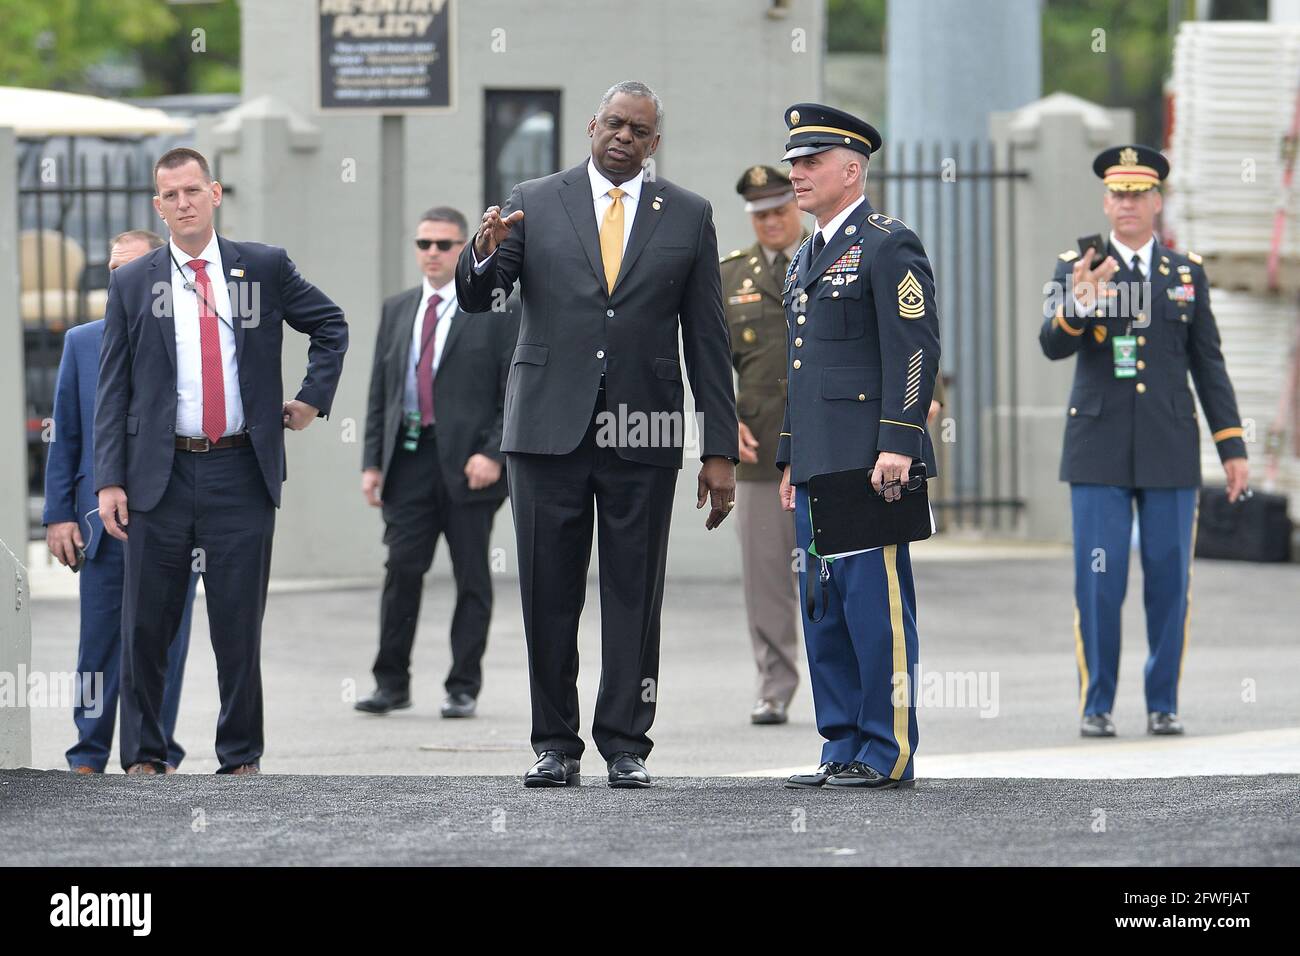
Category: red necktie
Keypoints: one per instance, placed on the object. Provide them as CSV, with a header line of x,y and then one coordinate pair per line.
x,y
424,367
214,389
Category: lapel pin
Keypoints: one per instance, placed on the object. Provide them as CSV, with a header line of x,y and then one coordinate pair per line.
x,y
850,230
237,273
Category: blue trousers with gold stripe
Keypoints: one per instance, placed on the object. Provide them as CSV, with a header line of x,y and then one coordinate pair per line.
x,y
1103,526
866,636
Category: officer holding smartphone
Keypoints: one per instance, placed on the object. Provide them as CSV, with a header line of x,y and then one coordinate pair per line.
x,y
1136,316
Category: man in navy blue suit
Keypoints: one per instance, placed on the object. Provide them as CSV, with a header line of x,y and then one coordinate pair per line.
x,y
189,447
70,506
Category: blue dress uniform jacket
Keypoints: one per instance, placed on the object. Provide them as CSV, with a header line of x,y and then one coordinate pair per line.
x,y
864,349
1141,432
864,353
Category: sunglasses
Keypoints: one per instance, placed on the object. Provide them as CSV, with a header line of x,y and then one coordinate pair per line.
x,y
443,245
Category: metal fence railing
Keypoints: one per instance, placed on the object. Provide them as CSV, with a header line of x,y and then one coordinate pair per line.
x,y
960,199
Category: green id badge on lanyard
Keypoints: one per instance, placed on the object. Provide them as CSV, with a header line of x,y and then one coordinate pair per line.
x,y
1125,351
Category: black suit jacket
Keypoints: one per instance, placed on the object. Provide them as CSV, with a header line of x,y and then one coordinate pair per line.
x,y
469,389
571,324
135,404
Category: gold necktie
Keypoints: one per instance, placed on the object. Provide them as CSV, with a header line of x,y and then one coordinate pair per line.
x,y
611,238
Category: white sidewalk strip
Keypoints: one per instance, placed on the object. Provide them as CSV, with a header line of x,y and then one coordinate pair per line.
x,y
1254,752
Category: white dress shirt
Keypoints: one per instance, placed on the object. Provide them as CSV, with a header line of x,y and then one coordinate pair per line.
x,y
1127,254
601,201
189,356
600,187
831,228
446,310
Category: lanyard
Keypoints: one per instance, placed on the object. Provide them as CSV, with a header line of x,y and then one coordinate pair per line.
x,y
191,286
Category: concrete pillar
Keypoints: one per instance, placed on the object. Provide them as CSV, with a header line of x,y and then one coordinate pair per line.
x,y
317,190
1055,140
15,662
13,395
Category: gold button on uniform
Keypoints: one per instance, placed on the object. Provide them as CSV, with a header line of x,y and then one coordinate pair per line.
x,y
797,363
1141,365
1142,340
862,397
802,319
803,296
1074,411
798,342
1141,388
1142,316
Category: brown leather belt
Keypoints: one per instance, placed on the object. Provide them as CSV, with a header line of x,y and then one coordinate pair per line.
x,y
203,443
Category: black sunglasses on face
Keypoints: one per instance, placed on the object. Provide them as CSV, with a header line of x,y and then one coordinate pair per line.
x,y
443,245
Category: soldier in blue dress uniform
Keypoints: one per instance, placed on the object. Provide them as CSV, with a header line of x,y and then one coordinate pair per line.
x,y
1137,324
863,355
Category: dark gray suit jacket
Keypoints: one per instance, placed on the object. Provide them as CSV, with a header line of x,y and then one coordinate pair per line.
x,y
468,390
572,326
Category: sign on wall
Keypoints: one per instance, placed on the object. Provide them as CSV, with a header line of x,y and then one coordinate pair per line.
x,y
389,56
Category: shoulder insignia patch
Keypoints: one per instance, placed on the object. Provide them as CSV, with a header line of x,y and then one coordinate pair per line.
x,y
733,254
1069,255
883,223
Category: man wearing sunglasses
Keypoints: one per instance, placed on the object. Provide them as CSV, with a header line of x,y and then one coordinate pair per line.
x,y
433,462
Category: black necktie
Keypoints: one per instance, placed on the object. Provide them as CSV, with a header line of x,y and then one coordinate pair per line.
x,y
1136,266
819,243
779,265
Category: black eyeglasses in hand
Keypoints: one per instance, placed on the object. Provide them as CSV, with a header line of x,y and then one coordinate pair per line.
x,y
914,483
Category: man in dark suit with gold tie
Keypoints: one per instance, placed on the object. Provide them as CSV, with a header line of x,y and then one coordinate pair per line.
x,y
619,261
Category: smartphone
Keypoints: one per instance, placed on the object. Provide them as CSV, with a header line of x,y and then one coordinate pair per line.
x,y
81,559
1095,243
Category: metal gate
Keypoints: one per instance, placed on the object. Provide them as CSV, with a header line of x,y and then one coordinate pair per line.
x,y
960,199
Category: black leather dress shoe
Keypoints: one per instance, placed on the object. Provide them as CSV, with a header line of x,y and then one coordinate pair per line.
x,y
1097,725
382,701
858,776
554,768
816,779
459,705
627,771
1163,724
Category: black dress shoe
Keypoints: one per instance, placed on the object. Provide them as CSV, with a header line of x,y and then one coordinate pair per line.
x,y
382,701
1097,725
554,768
858,775
627,771
459,705
816,779
1163,724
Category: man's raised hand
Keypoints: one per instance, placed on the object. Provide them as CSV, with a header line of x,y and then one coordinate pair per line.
x,y
493,229
1086,279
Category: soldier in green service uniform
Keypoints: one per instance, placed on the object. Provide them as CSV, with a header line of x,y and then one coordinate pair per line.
x,y
751,286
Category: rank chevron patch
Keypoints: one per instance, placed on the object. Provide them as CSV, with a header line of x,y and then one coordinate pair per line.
x,y
911,300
